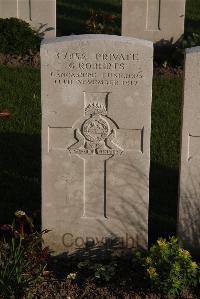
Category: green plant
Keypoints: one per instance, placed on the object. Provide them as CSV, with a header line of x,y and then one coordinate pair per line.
x,y
173,54
189,40
17,37
22,260
170,268
100,271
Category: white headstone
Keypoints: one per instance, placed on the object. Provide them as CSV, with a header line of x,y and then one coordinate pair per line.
x,y
189,193
8,8
154,20
38,13
96,120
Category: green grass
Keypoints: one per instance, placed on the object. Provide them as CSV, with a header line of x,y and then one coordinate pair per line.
x,y
165,145
73,15
20,164
192,21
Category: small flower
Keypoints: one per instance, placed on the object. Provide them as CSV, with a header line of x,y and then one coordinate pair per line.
x,y
193,265
184,253
165,64
152,272
20,214
149,260
162,243
16,234
46,273
71,276
5,114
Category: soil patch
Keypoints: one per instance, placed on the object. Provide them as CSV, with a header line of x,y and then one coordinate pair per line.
x,y
70,290
32,60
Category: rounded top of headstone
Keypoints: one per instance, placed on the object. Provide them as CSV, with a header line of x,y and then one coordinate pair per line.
x,y
193,50
97,37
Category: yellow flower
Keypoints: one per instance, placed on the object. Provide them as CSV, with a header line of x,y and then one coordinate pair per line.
x,y
162,243
20,214
193,265
148,260
71,276
184,253
152,272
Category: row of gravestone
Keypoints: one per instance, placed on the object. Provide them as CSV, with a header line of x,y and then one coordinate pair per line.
x,y
154,20
96,123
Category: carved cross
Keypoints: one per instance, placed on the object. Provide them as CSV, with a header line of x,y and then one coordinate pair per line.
x,y
30,12
95,143
153,15
26,7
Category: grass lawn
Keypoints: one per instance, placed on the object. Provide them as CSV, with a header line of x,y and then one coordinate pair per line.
x,y
192,21
20,162
165,146
19,141
73,15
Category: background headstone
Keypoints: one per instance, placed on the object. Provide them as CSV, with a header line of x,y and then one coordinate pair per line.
x,y
189,197
8,8
38,13
154,20
96,112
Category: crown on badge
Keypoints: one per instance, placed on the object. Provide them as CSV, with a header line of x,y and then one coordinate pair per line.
x,y
95,108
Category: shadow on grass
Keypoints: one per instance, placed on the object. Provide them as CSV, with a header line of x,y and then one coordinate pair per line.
x,y
20,168
192,17
163,202
72,16
192,25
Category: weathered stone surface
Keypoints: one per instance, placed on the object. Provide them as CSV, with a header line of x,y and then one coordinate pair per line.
x,y
8,8
39,13
189,193
96,107
154,20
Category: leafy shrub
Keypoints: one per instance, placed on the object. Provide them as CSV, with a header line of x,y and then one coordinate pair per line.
x,y
173,54
22,260
170,268
17,37
190,40
187,41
